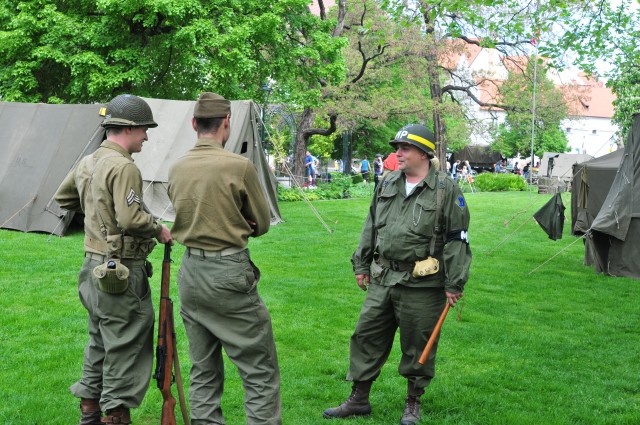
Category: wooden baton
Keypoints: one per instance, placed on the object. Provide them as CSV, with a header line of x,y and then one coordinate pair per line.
x,y
434,335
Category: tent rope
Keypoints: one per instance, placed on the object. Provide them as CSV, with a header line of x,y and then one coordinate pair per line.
x,y
32,200
507,238
282,158
562,250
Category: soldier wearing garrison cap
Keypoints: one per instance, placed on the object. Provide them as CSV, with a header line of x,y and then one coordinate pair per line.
x,y
219,204
113,284
413,257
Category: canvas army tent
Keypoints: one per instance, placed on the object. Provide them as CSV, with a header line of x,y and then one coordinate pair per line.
x,y
174,136
560,165
479,157
591,183
40,143
613,245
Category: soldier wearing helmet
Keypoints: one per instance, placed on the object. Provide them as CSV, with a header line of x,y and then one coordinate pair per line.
x,y
412,259
113,284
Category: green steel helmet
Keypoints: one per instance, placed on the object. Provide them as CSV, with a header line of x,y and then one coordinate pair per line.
x,y
418,136
128,110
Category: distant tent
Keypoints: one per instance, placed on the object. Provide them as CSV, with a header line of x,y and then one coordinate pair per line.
x,y
174,136
613,245
590,186
40,143
479,157
560,165
551,217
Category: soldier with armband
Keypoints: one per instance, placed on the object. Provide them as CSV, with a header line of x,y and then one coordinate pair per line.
x,y
413,257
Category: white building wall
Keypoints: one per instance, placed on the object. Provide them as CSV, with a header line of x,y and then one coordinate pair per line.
x,y
590,135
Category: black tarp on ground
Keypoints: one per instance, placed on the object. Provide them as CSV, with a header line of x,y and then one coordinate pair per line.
x,y
613,245
551,217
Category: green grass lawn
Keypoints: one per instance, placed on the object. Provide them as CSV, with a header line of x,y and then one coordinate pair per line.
x,y
556,346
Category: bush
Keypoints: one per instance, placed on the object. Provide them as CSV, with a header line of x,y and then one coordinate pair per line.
x,y
491,182
357,178
341,187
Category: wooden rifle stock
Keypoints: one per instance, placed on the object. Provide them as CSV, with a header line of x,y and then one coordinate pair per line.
x,y
166,344
434,335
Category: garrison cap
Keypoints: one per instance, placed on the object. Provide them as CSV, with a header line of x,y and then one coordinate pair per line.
x,y
211,105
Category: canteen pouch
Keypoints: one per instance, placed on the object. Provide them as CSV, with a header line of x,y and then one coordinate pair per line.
x,y
426,267
113,276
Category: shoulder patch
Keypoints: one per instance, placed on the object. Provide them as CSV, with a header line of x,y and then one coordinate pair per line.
x,y
132,198
461,202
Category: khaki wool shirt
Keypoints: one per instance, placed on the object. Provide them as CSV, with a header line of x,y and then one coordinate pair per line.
x,y
214,193
400,228
107,187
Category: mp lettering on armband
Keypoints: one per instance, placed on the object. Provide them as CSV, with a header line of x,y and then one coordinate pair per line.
x,y
458,235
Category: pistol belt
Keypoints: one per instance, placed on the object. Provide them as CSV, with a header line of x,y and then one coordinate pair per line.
x,y
398,266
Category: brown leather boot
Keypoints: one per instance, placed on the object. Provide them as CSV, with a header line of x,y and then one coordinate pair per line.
x,y
356,405
411,414
91,413
119,415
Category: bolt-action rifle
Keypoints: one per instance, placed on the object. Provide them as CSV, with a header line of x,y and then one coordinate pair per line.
x,y
166,351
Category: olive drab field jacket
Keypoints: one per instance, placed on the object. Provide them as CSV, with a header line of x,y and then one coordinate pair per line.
x,y
107,187
401,229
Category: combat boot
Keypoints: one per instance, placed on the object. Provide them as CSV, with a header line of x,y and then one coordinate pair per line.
x,y
119,415
356,405
91,413
411,414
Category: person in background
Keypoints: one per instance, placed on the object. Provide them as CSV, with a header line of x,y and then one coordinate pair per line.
x,y
219,204
364,169
390,163
113,284
399,231
378,166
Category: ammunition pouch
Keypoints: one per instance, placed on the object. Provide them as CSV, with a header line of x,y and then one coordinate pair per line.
x,y
129,247
426,267
113,276
136,248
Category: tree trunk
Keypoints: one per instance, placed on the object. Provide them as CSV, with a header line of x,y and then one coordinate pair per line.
x,y
435,88
300,147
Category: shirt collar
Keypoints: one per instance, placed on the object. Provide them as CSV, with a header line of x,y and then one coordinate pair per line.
x,y
116,147
210,142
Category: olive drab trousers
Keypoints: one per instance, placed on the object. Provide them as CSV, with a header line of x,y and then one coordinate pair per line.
x,y
415,311
221,308
119,356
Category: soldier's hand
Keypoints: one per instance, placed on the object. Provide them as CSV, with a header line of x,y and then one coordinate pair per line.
x,y
165,235
363,281
453,297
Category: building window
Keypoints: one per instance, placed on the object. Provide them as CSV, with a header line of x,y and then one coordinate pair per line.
x,y
593,131
568,129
